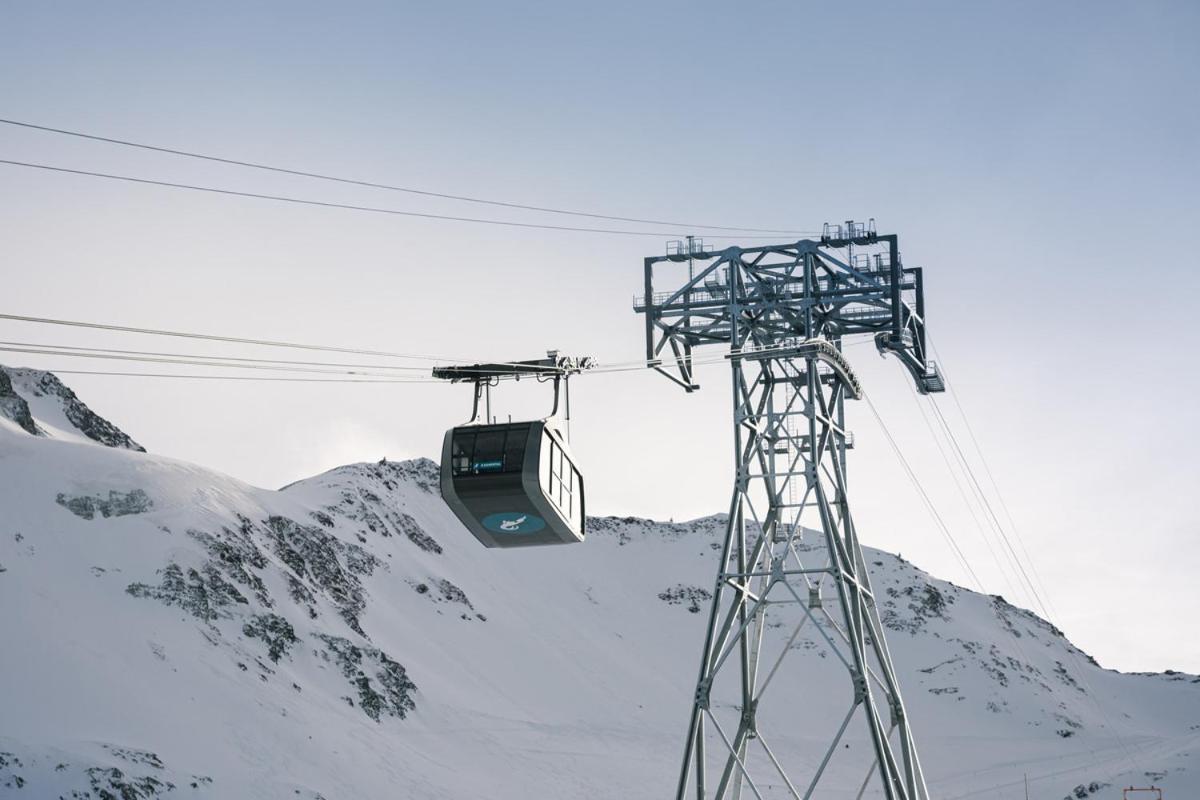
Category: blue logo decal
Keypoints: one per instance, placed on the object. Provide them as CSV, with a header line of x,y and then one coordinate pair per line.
x,y
513,522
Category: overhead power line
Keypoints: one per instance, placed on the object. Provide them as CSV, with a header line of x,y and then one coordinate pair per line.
x,y
389,187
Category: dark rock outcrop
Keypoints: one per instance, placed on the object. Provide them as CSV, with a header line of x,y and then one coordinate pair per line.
x,y
691,596
390,693
275,631
117,504
204,593
14,407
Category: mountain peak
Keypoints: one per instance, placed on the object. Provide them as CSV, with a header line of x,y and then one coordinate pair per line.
x,y
42,405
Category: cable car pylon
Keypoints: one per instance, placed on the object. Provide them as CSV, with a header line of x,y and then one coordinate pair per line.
x,y
515,484
784,311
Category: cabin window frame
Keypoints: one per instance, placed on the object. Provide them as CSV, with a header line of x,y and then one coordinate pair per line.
x,y
561,481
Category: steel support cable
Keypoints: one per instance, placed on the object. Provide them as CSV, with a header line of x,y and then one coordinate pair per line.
x,y
986,506
1013,586
349,206
990,514
223,377
1014,558
231,339
389,187
273,361
1033,590
191,359
619,366
322,203
937,517
975,518
1047,605
264,364
991,477
37,347
219,364
392,379
969,501
954,546
616,367
1089,691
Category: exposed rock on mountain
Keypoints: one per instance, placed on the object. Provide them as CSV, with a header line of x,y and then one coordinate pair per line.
x,y
117,504
14,407
55,406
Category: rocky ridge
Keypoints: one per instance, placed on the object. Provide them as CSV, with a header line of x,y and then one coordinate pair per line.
x,y
37,387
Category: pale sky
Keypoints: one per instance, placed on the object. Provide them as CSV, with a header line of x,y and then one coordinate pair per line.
x,y
1038,159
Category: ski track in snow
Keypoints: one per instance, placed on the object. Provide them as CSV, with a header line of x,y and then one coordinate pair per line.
x,y
167,631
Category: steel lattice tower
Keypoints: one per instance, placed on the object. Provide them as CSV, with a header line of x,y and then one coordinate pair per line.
x,y
784,311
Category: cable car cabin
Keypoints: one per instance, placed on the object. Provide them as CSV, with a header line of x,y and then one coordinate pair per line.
x,y
513,484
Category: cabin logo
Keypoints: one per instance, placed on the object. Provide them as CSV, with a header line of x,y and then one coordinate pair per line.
x,y
513,522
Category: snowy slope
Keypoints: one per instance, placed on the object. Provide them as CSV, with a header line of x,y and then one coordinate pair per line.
x,y
168,631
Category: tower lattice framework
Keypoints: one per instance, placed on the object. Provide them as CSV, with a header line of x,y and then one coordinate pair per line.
x,y
791,564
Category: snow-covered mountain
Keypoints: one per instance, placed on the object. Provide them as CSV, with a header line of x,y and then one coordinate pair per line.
x,y
167,631
42,405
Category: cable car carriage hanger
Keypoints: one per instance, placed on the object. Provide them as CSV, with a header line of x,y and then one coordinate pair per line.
x,y
515,484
